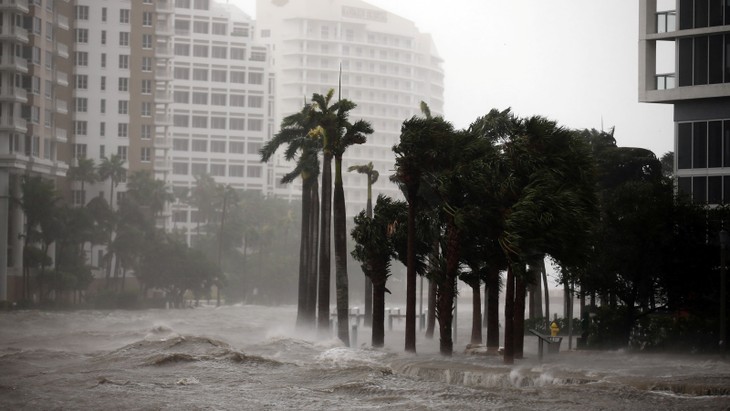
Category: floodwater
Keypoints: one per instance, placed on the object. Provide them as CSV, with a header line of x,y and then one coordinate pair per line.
x,y
251,358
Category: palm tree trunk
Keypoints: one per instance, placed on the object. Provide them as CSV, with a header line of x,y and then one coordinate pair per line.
x,y
543,271
492,314
410,344
342,286
431,314
302,299
519,314
476,308
368,320
447,289
378,314
313,248
509,310
323,312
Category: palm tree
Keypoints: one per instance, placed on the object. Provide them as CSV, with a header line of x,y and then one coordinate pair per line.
x,y
112,168
295,132
202,197
84,172
372,177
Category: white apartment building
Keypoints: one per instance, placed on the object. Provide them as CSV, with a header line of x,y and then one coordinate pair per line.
x,y
388,68
222,102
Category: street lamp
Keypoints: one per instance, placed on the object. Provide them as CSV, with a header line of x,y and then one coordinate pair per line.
x,y
724,239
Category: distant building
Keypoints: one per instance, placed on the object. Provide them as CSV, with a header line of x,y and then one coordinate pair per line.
x,y
388,68
698,32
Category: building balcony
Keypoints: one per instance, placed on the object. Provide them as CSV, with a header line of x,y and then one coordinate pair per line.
x,y
14,63
163,120
666,21
17,5
62,50
165,6
61,107
62,22
163,96
164,143
61,135
164,51
14,33
164,28
61,78
162,165
14,94
163,74
15,124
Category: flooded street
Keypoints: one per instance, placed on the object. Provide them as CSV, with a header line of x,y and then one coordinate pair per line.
x,y
250,357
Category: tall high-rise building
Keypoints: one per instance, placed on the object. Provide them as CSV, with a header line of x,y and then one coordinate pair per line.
x,y
387,66
696,36
222,103
34,118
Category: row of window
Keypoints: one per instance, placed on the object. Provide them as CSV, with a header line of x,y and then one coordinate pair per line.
x,y
81,82
215,170
705,189
217,122
82,13
197,4
217,52
81,36
79,150
703,144
216,146
703,13
182,27
217,75
81,128
704,60
217,99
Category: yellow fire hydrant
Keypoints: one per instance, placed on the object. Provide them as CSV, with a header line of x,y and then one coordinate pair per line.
x,y
554,329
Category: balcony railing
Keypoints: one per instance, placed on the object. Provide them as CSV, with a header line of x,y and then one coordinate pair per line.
x,y
165,6
666,21
665,81
62,50
62,21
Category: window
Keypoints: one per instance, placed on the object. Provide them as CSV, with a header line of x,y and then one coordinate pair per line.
x,y
147,18
200,145
200,4
102,106
144,154
217,146
79,150
103,60
238,100
197,169
254,171
146,86
180,169
145,132
255,124
182,49
181,73
124,61
255,101
103,37
238,53
82,12
218,123
219,52
219,29
235,171
146,109
237,124
254,147
80,128
236,147
183,4
200,97
82,35
180,120
218,75
81,82
200,122
182,27
123,83
180,96
200,74
218,99
218,170
146,63
123,130
200,50
124,38
80,104
102,132
81,58
258,56
103,14
124,16
78,197
180,144
256,78
122,152
103,83
200,27
146,41
238,76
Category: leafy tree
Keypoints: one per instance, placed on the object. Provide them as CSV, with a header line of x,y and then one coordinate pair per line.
x,y
84,172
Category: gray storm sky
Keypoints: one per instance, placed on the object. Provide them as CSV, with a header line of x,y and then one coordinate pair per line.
x,y
573,61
